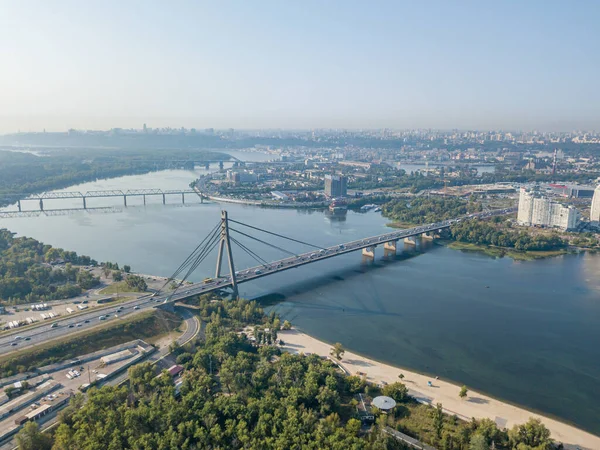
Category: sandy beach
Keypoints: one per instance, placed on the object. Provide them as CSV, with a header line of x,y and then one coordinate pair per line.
x,y
475,405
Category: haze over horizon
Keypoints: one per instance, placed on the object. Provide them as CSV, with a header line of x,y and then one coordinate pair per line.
x,y
246,65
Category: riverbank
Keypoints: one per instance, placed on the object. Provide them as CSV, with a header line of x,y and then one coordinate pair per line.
x,y
475,405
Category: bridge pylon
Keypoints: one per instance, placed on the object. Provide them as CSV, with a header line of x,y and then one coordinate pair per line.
x,y
225,244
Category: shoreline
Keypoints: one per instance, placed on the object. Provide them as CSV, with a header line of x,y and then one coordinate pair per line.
x,y
476,405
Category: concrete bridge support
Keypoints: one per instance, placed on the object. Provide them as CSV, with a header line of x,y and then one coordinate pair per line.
x,y
207,166
144,197
221,165
164,199
19,205
410,240
183,198
391,246
41,204
124,200
429,235
84,203
369,252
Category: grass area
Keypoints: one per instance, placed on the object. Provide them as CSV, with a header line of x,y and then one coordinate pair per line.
x,y
117,287
415,419
139,326
499,252
401,225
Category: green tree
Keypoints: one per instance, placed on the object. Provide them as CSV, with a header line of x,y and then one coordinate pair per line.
x,y
401,376
287,325
533,434
117,276
438,420
31,438
52,255
353,427
463,392
63,438
337,351
478,442
136,283
397,391
126,268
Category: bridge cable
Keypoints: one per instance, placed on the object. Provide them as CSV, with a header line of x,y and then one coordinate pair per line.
x,y
264,242
275,234
199,250
209,248
192,256
260,260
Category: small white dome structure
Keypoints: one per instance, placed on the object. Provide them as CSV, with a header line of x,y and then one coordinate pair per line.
x,y
384,403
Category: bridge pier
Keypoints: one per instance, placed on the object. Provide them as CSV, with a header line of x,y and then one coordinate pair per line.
x,y
84,203
389,248
19,205
207,166
429,235
125,200
410,240
183,198
41,204
144,197
221,165
369,252
164,199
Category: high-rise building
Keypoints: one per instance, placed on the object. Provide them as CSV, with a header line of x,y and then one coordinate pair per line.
x,y
595,211
534,209
336,186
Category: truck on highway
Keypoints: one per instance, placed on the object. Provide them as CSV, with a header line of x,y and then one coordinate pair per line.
x,y
208,280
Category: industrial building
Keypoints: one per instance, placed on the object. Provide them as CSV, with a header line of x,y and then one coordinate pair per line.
x,y
535,209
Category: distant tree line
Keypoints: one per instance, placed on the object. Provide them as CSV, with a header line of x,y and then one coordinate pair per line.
x,y
24,173
423,210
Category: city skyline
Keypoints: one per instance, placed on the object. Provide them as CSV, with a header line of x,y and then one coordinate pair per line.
x,y
467,66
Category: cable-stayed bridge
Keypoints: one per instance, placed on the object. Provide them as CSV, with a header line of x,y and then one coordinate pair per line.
x,y
228,233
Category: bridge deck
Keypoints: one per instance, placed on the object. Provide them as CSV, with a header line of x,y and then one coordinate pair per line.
x,y
302,259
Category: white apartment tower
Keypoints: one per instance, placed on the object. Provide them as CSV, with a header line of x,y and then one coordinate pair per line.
x,y
595,211
537,210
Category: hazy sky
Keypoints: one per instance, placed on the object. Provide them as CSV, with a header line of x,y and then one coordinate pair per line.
x,y
299,64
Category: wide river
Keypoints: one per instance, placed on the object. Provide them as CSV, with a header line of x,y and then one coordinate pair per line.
x,y
526,332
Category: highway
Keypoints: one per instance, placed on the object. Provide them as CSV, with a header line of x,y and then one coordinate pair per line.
x,y
41,334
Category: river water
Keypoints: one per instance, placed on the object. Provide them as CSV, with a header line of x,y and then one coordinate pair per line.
x,y
526,332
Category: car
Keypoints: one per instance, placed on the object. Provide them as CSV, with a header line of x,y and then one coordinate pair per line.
x,y
71,325
86,321
78,324
102,318
13,344
187,292
136,307
27,338
341,246
54,325
17,338
257,271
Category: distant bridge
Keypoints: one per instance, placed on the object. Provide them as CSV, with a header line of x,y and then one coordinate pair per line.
x,y
84,196
223,237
